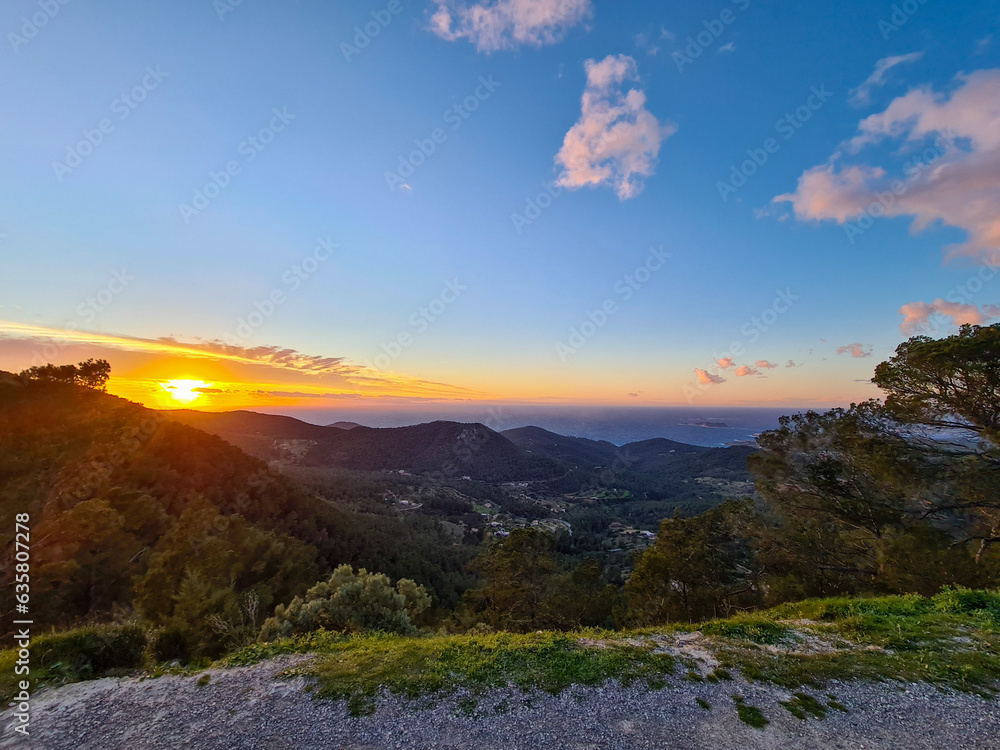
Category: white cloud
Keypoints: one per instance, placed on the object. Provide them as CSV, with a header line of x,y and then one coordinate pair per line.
x,y
707,378
957,183
494,25
730,47
916,315
616,141
862,94
858,351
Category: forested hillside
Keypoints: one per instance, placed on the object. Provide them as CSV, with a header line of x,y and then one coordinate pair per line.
x,y
131,510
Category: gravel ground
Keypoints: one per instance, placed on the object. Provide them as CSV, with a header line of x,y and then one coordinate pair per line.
x,y
249,708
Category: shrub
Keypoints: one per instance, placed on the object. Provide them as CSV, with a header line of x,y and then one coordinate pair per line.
x,y
351,602
90,652
171,643
961,601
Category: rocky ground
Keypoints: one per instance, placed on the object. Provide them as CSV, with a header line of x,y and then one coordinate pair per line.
x,y
251,707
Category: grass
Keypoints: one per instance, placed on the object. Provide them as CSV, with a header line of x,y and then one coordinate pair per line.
x,y
750,715
951,640
75,655
359,669
802,704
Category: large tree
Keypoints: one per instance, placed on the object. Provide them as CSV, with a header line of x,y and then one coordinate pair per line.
x,y
901,495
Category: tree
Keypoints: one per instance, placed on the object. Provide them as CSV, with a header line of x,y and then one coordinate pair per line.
x,y
526,588
856,492
952,382
351,602
92,373
698,568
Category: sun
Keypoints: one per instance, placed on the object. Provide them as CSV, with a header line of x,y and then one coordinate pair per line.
x,y
185,391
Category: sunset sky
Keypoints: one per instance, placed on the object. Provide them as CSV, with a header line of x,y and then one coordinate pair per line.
x,y
278,204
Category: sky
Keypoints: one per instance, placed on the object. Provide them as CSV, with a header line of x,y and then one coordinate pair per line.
x,y
295,204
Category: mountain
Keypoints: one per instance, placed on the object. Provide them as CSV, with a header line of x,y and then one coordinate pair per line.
x,y
447,450
344,425
452,450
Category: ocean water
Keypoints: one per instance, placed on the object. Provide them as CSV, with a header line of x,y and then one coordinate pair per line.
x,y
706,426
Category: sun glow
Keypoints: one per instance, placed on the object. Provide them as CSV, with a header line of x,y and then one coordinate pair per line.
x,y
185,391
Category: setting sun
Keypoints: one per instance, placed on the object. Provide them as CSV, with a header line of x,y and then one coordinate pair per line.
x,y
185,391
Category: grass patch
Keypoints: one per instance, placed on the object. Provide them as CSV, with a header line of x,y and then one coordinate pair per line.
x,y
355,670
750,715
802,704
75,655
204,680
703,703
837,705
753,629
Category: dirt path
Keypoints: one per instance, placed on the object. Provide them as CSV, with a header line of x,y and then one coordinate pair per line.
x,y
240,709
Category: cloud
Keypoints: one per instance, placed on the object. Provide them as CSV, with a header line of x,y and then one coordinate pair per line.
x,y
507,24
764,364
327,374
791,364
743,370
916,315
616,141
862,94
707,378
955,182
633,395
725,363
858,351
729,47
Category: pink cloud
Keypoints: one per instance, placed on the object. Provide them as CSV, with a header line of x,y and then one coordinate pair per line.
x,y
507,24
955,182
616,141
858,351
917,315
764,364
707,378
743,370
725,363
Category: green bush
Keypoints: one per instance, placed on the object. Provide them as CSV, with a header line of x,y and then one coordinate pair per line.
x,y
171,643
961,601
90,652
351,602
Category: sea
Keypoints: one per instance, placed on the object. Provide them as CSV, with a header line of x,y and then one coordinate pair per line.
x,y
705,426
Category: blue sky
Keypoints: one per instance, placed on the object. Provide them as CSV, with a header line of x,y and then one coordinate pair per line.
x,y
347,123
